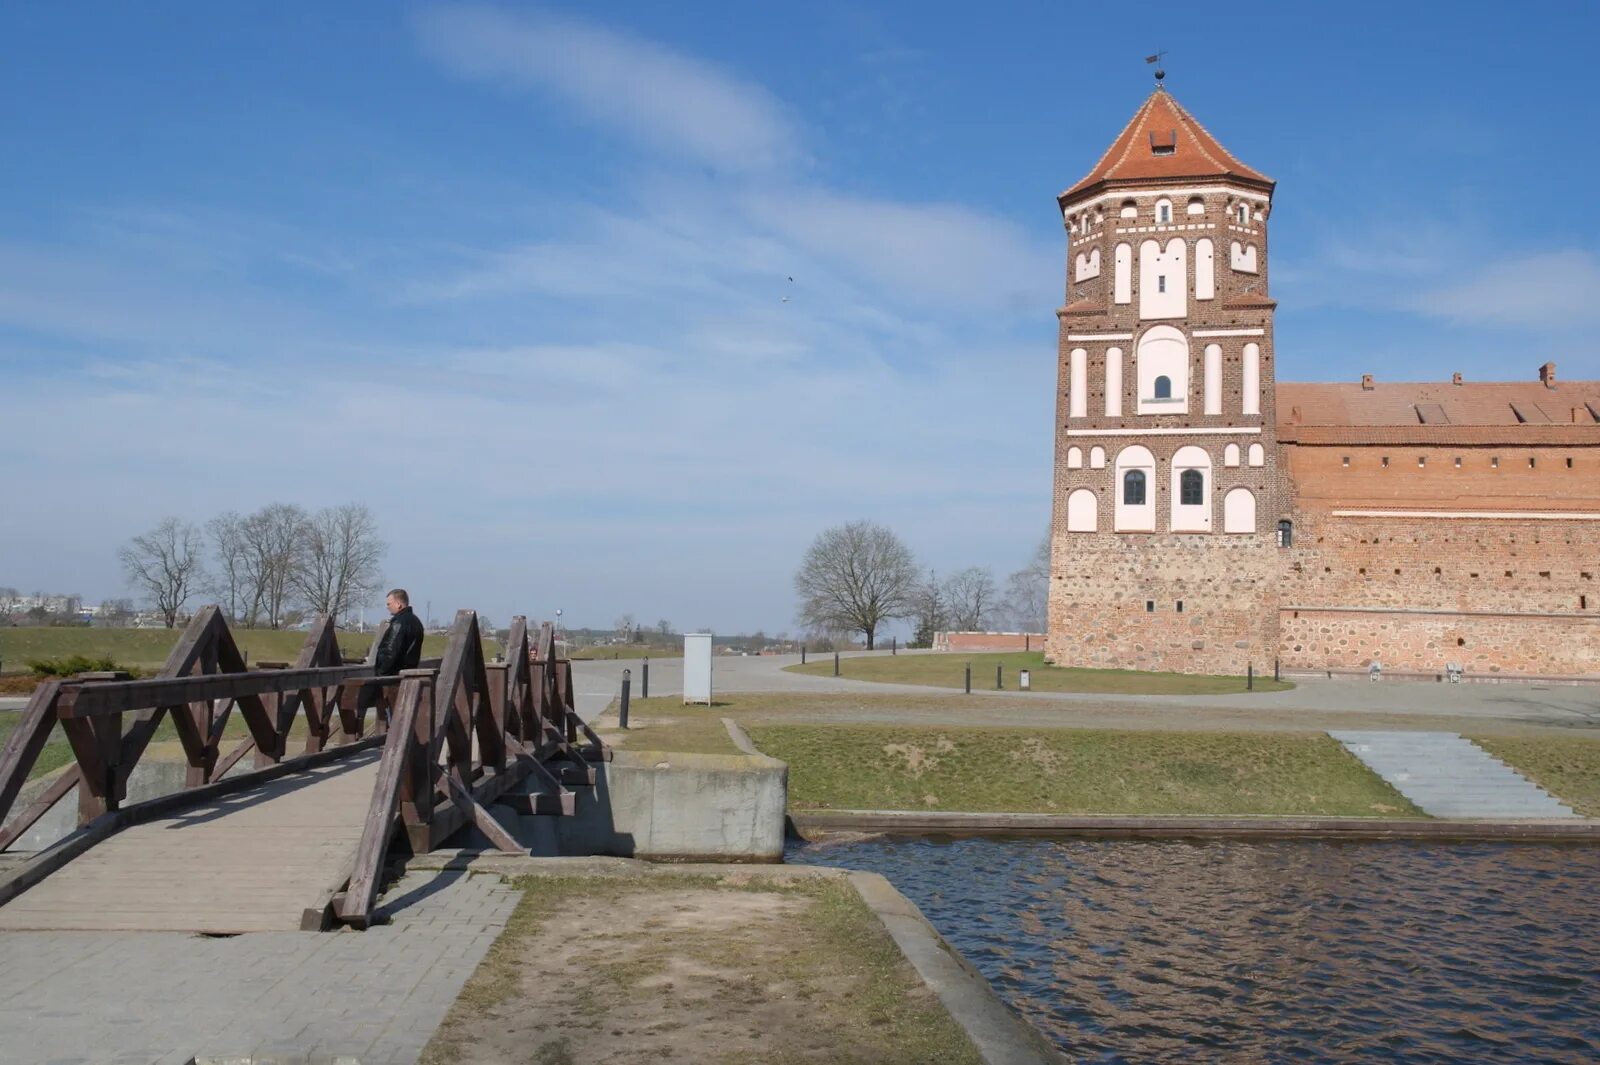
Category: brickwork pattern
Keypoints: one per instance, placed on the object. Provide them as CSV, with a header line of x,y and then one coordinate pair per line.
x,y
100,998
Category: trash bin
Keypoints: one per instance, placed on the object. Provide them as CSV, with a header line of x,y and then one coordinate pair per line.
x,y
1022,680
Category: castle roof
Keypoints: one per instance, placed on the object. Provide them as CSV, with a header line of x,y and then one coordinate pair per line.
x,y
1500,412
1164,143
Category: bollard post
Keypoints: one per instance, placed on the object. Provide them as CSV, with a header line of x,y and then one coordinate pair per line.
x,y
802,654
998,681
1277,673
969,678
622,711
894,645
836,663
644,681
1250,677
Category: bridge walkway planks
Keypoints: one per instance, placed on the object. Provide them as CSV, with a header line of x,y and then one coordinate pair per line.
x,y
252,861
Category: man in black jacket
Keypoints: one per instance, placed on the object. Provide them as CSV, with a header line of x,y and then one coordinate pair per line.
x,y
402,644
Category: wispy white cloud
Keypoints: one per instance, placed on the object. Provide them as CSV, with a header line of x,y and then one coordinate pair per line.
x,y
1551,291
658,97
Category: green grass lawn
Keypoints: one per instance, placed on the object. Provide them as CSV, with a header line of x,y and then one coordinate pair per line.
x,y
146,649
1566,766
948,671
1096,771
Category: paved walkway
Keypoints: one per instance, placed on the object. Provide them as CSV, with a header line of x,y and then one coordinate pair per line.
x,y
252,861
99,998
1448,776
597,683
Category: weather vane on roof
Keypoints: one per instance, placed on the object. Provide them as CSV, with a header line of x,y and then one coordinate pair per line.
x,y
1156,59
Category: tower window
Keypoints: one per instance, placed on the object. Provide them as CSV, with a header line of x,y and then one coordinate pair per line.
x,y
1531,461
1133,488
1163,387
1163,211
1244,214
1149,606
1569,462
1421,461
1161,283
1347,462
1458,462
1180,606
1286,534
1191,488
1386,462
1494,463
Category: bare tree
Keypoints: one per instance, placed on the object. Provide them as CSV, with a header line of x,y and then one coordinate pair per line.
x,y
855,577
970,596
228,581
1028,590
625,626
165,565
273,537
928,610
664,628
339,559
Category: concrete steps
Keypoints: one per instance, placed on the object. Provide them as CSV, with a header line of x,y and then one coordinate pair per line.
x,y
1448,776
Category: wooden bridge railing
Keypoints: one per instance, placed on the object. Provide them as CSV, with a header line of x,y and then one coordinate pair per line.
x,y
460,738
203,682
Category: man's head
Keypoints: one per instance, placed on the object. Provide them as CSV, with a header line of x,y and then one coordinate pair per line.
x,y
398,600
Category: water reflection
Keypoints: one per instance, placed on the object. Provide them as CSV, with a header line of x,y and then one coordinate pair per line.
x,y
1268,952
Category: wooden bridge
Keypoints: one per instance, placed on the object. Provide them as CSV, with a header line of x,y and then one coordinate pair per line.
x,y
296,841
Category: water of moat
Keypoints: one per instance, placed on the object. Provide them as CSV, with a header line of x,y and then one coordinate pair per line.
x,y
1270,952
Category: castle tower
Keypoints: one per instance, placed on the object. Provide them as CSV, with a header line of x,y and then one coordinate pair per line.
x,y
1167,487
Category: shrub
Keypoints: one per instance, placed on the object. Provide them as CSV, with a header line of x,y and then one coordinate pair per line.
x,y
66,667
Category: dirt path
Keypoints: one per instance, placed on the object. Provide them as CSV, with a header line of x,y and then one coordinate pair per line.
x,y
679,970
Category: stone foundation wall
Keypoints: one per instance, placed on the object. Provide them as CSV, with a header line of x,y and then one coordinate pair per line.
x,y
1482,643
1114,603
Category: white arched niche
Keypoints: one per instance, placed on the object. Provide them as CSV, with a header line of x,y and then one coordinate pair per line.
x,y
1258,455
1214,379
1163,353
1097,458
1113,382
1163,279
1251,385
1230,455
1074,458
1083,511
1122,270
1205,269
1191,490
1078,383
1135,485
1242,258
1239,511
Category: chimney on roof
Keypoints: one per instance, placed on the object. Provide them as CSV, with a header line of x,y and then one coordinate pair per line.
x,y
1547,375
1366,382
1455,378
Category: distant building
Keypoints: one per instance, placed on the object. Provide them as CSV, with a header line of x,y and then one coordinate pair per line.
x,y
1207,517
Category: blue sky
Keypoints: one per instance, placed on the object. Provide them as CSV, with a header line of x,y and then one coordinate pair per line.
x,y
514,275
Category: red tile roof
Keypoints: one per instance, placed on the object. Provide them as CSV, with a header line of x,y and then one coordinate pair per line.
x,y
1472,412
1159,123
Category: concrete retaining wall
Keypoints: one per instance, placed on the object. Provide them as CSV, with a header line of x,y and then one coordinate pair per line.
x,y
150,779
667,807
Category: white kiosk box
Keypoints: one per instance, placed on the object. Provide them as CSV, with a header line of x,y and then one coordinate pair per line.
x,y
697,667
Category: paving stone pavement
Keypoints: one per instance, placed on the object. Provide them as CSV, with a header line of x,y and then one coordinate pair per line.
x,y
107,998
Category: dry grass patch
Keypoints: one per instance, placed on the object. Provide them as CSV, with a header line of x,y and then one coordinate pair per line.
x,y
1090,771
1568,767
697,970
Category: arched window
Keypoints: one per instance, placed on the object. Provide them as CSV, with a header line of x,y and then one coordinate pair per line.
x,y
1163,211
1258,455
1074,458
1163,352
1244,214
1285,533
1133,488
1192,488
1129,209
1097,458
1134,509
1196,205
1230,455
